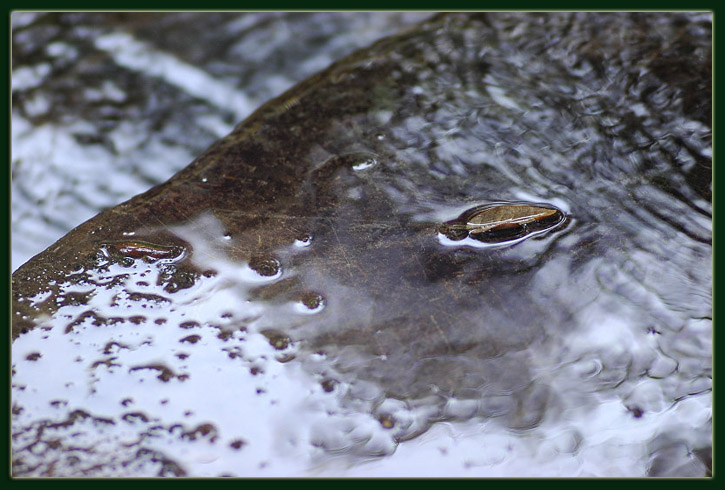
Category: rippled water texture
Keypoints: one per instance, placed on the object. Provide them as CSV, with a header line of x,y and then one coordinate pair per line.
x,y
480,247
106,105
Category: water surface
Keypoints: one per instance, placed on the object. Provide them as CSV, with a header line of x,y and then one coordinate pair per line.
x,y
288,305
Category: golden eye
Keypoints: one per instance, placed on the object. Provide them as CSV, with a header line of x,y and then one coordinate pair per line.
x,y
507,216
501,222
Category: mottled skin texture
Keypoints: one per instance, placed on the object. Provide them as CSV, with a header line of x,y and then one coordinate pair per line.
x,y
289,164
420,105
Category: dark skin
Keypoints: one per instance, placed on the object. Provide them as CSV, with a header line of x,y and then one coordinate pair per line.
x,y
437,216
301,166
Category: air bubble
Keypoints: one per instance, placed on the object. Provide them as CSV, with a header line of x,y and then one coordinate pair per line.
x,y
303,241
310,302
365,164
278,340
265,266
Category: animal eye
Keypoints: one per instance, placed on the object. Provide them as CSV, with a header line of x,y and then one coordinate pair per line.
x,y
502,222
149,252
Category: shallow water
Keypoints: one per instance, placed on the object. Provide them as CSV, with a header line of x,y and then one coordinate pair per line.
x,y
107,105
297,312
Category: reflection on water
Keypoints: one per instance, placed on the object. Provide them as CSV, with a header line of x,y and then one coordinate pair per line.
x,y
106,105
287,305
